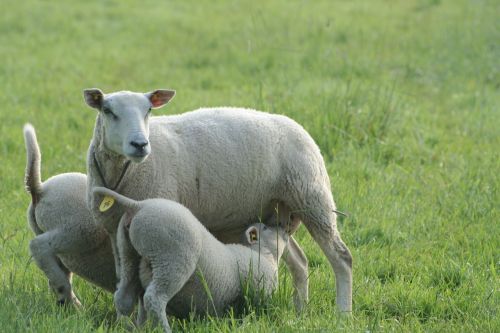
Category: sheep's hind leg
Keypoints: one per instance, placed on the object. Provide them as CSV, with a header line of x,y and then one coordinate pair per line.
x,y
43,248
320,221
297,264
314,205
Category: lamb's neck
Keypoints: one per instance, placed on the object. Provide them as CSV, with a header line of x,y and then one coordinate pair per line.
x,y
266,255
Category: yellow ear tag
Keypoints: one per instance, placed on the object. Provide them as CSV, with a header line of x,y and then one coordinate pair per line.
x,y
106,203
253,236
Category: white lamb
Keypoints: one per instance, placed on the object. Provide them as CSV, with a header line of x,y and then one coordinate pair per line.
x,y
229,166
183,267
67,238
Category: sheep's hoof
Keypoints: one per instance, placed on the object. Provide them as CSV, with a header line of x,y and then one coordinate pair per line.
x,y
345,315
76,303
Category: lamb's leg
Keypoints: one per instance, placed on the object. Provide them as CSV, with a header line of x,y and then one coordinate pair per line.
x,y
320,221
157,296
155,304
141,313
169,277
43,248
129,288
297,263
69,276
146,276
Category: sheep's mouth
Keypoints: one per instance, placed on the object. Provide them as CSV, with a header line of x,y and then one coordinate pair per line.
x,y
138,157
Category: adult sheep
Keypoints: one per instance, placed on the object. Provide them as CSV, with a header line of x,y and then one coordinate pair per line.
x,y
227,165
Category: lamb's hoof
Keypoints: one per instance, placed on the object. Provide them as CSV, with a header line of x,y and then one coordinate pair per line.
x,y
300,306
124,302
65,303
126,322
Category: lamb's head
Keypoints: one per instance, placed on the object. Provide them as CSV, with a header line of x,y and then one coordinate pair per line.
x,y
267,239
125,119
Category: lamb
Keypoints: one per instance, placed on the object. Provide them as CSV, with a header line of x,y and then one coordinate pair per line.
x,y
228,166
179,257
67,239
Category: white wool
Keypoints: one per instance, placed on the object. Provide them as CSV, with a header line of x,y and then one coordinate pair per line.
x,y
229,166
179,258
67,238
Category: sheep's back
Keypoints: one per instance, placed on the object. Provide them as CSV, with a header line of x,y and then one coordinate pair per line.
x,y
231,163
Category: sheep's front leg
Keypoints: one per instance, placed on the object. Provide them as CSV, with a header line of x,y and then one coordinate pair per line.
x,y
43,248
129,288
297,263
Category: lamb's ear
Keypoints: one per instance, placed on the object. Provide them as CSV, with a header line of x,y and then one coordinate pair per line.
x,y
160,97
93,98
252,235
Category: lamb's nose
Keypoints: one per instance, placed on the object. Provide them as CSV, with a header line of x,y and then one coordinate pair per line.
x,y
139,145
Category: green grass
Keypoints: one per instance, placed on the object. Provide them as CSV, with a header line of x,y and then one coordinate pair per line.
x,y
401,96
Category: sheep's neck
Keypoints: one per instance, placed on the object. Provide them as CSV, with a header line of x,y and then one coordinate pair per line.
x,y
109,164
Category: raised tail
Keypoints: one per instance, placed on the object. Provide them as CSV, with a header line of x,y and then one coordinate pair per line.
x,y
128,203
32,178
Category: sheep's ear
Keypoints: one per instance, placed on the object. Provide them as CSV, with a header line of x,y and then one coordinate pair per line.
x,y
160,97
93,98
252,235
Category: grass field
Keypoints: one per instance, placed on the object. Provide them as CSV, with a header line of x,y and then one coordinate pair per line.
x,y
401,96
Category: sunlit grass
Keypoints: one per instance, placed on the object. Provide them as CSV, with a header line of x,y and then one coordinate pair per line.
x,y
402,98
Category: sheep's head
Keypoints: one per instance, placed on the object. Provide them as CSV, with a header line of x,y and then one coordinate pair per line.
x,y
125,119
266,238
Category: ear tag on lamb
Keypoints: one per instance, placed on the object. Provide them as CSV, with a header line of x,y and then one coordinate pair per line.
x,y
253,236
106,203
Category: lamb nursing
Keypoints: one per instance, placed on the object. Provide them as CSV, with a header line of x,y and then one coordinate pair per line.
x,y
228,166
183,267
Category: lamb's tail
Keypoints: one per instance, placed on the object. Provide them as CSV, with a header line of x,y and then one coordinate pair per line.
x,y
32,179
128,203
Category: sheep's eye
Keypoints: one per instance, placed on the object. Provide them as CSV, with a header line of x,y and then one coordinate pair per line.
x,y
108,112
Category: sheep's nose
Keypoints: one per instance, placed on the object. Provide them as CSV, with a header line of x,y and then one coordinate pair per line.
x,y
139,145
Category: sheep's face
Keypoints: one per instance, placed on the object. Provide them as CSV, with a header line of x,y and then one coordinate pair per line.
x,y
272,239
125,119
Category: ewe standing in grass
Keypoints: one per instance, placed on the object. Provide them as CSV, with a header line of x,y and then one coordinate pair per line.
x,y
229,166
183,267
67,239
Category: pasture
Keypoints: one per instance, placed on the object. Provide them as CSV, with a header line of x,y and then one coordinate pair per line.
x,y
401,96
